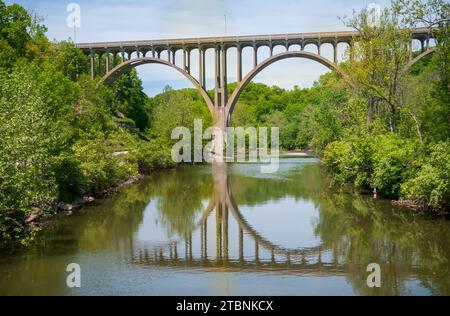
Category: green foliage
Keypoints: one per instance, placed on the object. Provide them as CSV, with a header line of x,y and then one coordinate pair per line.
x,y
152,156
429,181
128,98
14,36
26,142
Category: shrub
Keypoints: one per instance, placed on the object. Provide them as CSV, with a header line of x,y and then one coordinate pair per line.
x,y
429,185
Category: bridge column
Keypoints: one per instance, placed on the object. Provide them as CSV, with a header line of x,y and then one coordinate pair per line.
x,y
216,77
122,54
184,58
92,64
318,48
107,60
255,55
200,65
168,54
204,68
335,53
239,63
174,52
271,49
188,61
224,83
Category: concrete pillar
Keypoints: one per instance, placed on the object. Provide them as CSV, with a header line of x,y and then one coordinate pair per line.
x,y
216,76
200,66
188,61
256,251
318,48
107,60
204,68
122,54
138,52
92,64
255,56
239,63
153,52
224,83
168,54
422,46
184,59
174,57
335,53
271,49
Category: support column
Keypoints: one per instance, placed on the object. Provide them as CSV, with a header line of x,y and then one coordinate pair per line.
x,y
122,54
216,77
174,54
184,59
168,54
318,48
224,83
255,56
239,63
204,69
422,46
153,52
107,60
92,64
271,49
335,52
200,66
188,61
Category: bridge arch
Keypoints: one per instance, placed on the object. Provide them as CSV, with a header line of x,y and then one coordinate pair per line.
x,y
264,64
418,58
115,73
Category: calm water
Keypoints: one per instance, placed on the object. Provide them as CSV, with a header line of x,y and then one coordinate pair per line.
x,y
235,231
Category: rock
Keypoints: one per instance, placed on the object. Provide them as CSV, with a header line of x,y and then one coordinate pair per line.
x,y
66,207
33,216
88,199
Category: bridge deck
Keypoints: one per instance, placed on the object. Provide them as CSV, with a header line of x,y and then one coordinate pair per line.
x,y
323,37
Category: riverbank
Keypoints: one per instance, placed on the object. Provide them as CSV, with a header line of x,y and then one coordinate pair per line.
x,y
27,223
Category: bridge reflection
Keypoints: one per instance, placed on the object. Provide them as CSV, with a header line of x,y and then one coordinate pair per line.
x,y
225,240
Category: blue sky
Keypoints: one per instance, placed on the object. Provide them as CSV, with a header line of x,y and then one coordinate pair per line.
x,y
118,20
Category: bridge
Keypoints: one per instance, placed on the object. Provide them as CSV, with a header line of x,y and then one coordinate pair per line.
x,y
111,59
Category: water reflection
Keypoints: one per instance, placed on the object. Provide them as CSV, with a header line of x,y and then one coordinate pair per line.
x,y
283,228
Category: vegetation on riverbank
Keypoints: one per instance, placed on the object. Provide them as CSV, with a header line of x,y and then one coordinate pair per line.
x,y
62,135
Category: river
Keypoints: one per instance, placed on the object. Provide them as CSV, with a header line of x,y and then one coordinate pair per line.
x,y
199,230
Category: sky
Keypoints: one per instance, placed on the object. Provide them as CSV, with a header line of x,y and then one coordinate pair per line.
x,y
124,20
